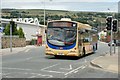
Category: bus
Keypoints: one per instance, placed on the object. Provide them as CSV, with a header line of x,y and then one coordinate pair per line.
x,y
70,38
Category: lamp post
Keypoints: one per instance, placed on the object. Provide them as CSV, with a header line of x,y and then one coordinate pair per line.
x,y
44,12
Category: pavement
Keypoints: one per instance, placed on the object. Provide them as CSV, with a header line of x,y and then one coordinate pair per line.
x,y
7,51
107,62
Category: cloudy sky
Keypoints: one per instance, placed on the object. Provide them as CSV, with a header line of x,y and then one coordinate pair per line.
x,y
71,5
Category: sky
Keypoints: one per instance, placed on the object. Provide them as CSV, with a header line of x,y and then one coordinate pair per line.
x,y
70,5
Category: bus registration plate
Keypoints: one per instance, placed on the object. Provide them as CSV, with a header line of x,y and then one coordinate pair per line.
x,y
60,54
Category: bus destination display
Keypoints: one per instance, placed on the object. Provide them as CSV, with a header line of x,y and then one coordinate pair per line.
x,y
62,24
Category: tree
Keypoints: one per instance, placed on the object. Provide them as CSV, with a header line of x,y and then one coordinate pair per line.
x,y
7,29
21,33
14,30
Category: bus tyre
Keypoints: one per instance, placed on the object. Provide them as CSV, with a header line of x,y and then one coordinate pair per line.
x,y
84,51
94,49
96,46
56,56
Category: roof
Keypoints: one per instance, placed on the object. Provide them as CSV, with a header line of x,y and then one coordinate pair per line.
x,y
84,26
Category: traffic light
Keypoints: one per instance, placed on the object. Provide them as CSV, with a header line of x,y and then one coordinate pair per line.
x,y
109,22
114,25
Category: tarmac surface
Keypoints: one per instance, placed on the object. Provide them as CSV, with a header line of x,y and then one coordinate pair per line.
x,y
30,61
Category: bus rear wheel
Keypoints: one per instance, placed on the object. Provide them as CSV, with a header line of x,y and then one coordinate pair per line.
x,y
94,49
84,52
96,46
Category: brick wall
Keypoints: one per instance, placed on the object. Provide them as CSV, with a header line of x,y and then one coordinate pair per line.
x,y
16,42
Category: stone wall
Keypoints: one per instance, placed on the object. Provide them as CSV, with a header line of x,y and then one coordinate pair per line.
x,y
16,42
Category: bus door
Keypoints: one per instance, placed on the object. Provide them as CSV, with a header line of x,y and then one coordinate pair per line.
x,y
87,44
80,42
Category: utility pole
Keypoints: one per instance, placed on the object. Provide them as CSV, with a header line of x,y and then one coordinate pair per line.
x,y
11,35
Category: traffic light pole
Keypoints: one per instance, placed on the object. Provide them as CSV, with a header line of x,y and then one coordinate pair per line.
x,y
115,25
112,27
114,43
111,41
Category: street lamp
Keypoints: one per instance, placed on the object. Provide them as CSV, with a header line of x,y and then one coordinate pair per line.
x,y
44,11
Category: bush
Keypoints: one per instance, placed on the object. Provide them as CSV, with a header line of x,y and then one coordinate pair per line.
x,y
21,33
14,30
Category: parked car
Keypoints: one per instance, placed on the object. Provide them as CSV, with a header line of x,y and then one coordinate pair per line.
x,y
117,43
110,43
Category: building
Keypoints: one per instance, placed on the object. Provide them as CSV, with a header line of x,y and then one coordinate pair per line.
x,y
30,27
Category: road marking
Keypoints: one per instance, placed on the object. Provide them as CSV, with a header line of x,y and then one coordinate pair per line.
x,y
48,76
44,69
84,67
17,69
52,71
27,50
8,77
74,70
49,67
29,58
70,67
32,77
5,73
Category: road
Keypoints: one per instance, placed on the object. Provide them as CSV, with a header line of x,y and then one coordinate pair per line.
x,y
33,63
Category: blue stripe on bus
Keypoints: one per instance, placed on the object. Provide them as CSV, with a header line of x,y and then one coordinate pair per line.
x,y
61,48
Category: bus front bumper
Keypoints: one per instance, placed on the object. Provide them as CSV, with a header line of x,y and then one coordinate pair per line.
x,y
60,53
